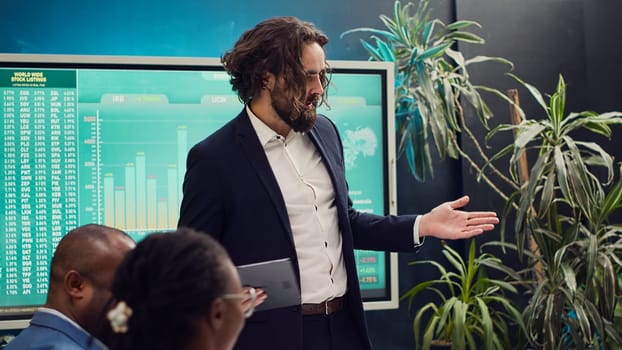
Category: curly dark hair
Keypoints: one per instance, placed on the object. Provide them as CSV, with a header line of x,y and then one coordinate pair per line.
x,y
273,46
169,280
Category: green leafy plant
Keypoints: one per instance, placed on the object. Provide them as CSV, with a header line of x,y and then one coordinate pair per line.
x,y
560,190
474,308
565,207
430,79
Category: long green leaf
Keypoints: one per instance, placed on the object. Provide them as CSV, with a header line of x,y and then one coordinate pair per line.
x,y
456,261
456,56
431,324
605,159
612,201
384,49
372,50
371,31
434,52
462,24
482,59
427,33
459,325
465,37
608,297
548,192
562,173
583,319
533,91
486,323
570,278
527,133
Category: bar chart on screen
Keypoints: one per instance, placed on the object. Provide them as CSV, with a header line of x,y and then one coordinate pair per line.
x,y
135,148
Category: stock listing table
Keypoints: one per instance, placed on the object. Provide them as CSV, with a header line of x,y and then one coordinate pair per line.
x,y
39,155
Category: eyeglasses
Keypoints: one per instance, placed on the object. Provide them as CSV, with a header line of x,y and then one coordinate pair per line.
x,y
248,297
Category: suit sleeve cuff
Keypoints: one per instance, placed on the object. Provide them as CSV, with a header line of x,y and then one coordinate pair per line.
x,y
416,238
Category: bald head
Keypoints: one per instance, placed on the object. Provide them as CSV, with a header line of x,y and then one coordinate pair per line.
x,y
82,270
83,248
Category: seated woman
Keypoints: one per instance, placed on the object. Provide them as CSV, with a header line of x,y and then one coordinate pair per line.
x,y
178,290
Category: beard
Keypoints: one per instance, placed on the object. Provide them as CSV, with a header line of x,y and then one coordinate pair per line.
x,y
299,120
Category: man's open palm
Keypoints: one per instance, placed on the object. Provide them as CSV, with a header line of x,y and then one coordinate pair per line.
x,y
446,221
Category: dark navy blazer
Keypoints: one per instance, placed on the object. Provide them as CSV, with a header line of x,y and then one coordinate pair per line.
x,y
231,193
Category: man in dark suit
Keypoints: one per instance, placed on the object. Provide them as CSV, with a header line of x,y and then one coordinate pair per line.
x,y
271,184
81,274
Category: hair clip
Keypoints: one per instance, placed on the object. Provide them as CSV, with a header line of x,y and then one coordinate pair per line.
x,y
119,317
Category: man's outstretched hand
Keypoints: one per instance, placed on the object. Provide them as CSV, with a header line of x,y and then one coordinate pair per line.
x,y
447,222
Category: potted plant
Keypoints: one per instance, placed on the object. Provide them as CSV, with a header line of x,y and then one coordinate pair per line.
x,y
564,205
431,78
474,311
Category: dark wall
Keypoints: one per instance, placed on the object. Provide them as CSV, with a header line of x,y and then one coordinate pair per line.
x,y
579,39
602,54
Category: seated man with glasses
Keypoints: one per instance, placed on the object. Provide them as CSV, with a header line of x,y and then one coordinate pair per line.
x,y
178,290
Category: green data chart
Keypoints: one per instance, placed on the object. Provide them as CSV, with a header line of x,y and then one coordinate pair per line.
x,y
109,146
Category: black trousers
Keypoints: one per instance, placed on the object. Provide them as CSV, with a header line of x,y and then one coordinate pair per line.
x,y
330,332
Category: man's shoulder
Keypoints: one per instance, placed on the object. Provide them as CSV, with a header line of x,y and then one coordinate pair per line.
x,y
34,344
48,331
224,134
42,338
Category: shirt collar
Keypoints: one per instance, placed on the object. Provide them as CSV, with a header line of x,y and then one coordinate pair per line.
x,y
264,133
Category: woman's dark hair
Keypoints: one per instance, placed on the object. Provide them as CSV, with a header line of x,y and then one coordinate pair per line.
x,y
275,46
169,281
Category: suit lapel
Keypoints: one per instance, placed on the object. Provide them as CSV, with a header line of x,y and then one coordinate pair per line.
x,y
328,161
252,149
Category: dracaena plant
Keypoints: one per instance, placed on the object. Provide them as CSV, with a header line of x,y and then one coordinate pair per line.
x,y
431,78
475,310
565,207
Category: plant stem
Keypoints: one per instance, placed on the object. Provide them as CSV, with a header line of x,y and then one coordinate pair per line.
x,y
483,155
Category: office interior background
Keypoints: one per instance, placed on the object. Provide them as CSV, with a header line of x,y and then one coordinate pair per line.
x,y
544,38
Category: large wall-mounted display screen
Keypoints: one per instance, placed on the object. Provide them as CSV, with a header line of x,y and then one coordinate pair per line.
x,y
95,139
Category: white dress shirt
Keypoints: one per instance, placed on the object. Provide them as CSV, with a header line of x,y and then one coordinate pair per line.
x,y
310,200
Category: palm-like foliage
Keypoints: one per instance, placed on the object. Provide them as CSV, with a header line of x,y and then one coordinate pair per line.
x,y
474,311
431,77
565,206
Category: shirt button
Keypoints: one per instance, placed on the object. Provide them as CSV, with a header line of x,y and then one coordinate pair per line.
x,y
325,244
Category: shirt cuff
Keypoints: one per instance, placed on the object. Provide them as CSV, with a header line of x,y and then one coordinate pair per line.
x,y
418,243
